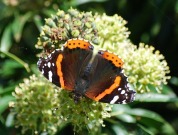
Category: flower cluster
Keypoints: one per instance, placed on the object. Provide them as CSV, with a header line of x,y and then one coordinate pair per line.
x,y
86,114
35,100
111,31
42,107
146,69
63,26
144,66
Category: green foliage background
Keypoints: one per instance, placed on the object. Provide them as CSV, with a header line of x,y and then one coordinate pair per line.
x,y
150,21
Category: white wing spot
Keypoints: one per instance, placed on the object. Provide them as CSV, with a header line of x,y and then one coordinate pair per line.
x,y
126,96
123,92
49,56
50,74
124,102
52,64
119,88
49,64
42,71
114,99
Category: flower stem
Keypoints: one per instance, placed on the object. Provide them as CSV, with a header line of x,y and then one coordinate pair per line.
x,y
12,56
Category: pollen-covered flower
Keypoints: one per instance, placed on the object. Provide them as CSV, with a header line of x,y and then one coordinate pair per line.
x,y
86,114
35,100
63,26
147,67
111,31
42,107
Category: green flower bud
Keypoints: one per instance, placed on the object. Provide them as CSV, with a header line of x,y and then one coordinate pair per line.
x,y
63,26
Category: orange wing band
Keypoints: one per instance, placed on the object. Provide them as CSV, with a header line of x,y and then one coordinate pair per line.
x,y
59,69
110,89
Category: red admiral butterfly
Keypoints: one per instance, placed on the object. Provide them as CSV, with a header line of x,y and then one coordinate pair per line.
x,y
97,76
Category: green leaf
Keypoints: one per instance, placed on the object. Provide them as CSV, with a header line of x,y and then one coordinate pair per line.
x,y
152,97
79,2
2,119
18,25
9,67
176,7
10,120
6,90
119,129
126,118
120,113
12,56
48,12
38,22
145,113
145,130
120,109
167,90
148,119
153,121
6,40
4,102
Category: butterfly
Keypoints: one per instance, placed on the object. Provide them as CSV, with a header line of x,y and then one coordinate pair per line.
x,y
76,68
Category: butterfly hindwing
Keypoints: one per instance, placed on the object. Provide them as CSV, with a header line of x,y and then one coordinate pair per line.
x,y
121,94
108,84
101,77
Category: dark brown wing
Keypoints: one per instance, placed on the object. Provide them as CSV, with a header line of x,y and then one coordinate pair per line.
x,y
72,62
62,67
107,83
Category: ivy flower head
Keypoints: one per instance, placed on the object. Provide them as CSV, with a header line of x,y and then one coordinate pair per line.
x,y
63,26
42,107
35,99
143,65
